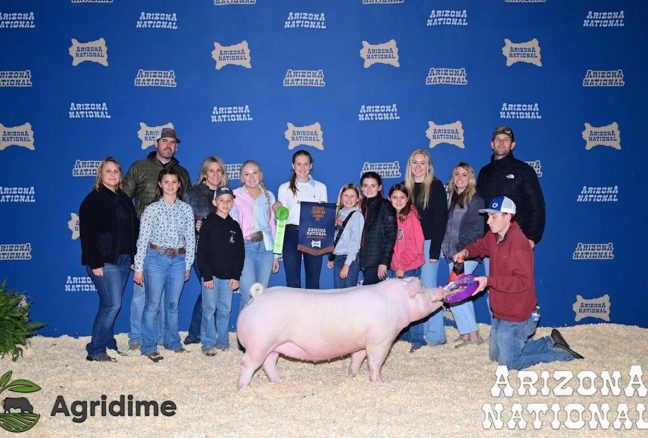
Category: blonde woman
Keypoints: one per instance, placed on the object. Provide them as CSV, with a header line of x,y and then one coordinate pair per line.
x,y
253,210
212,176
465,226
430,198
108,229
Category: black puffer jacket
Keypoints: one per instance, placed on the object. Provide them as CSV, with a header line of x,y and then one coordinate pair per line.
x,y
515,179
379,232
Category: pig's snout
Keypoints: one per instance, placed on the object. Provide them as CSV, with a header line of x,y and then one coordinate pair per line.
x,y
436,294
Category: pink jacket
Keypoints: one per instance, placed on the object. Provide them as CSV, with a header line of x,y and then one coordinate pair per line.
x,y
408,250
244,215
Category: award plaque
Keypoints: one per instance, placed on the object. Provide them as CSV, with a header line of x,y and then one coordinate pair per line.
x,y
316,227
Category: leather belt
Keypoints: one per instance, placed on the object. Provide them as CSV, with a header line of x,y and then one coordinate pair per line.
x,y
168,251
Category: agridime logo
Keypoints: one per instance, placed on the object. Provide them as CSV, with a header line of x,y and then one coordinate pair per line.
x,y
17,412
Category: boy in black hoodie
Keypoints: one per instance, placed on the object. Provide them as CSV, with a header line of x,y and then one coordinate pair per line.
x,y
220,258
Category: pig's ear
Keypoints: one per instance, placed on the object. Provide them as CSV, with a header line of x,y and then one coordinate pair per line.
x,y
413,286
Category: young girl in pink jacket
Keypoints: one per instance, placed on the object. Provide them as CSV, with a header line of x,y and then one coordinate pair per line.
x,y
408,251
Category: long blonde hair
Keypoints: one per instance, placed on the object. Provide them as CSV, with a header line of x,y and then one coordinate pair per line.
x,y
348,186
462,199
205,166
98,183
266,194
426,187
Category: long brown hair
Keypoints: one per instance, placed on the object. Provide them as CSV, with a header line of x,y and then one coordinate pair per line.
x,y
169,170
402,215
293,179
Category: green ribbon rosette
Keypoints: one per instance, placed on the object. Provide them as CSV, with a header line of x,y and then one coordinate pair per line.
x,y
282,215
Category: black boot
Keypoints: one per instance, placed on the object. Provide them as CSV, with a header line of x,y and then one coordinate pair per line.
x,y
560,343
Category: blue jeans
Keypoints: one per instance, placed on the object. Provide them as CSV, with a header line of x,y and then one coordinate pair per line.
x,y
433,326
137,315
511,345
110,288
218,302
464,313
292,258
256,269
352,278
164,279
196,315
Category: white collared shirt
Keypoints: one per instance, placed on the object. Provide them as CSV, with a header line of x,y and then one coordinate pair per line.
x,y
311,191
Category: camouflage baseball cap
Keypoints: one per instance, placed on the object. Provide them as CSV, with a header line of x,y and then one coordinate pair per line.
x,y
503,130
169,132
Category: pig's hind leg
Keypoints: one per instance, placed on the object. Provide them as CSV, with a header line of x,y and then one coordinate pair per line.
x,y
249,365
270,367
356,362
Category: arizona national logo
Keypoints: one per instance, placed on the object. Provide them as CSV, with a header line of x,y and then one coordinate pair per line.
x,y
17,413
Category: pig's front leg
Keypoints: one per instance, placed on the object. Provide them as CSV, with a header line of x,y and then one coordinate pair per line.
x,y
270,367
376,355
356,362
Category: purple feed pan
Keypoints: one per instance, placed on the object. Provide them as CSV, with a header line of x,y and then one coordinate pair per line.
x,y
460,289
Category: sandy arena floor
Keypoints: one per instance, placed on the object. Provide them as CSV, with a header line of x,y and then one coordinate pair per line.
x,y
437,390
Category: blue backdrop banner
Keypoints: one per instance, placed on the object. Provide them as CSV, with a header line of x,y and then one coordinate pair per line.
x,y
357,83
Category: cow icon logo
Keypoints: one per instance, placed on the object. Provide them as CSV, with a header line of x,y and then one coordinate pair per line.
x,y
17,414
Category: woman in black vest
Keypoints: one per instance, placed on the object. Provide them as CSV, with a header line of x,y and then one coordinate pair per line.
x,y
107,226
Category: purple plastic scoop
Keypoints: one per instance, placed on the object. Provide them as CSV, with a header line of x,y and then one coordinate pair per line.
x,y
460,289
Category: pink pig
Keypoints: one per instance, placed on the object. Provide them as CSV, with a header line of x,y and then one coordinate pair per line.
x,y
316,326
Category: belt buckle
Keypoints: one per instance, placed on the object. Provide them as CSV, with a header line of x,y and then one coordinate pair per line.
x,y
257,236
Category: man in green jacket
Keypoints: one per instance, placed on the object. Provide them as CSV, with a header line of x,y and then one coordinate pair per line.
x,y
140,183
